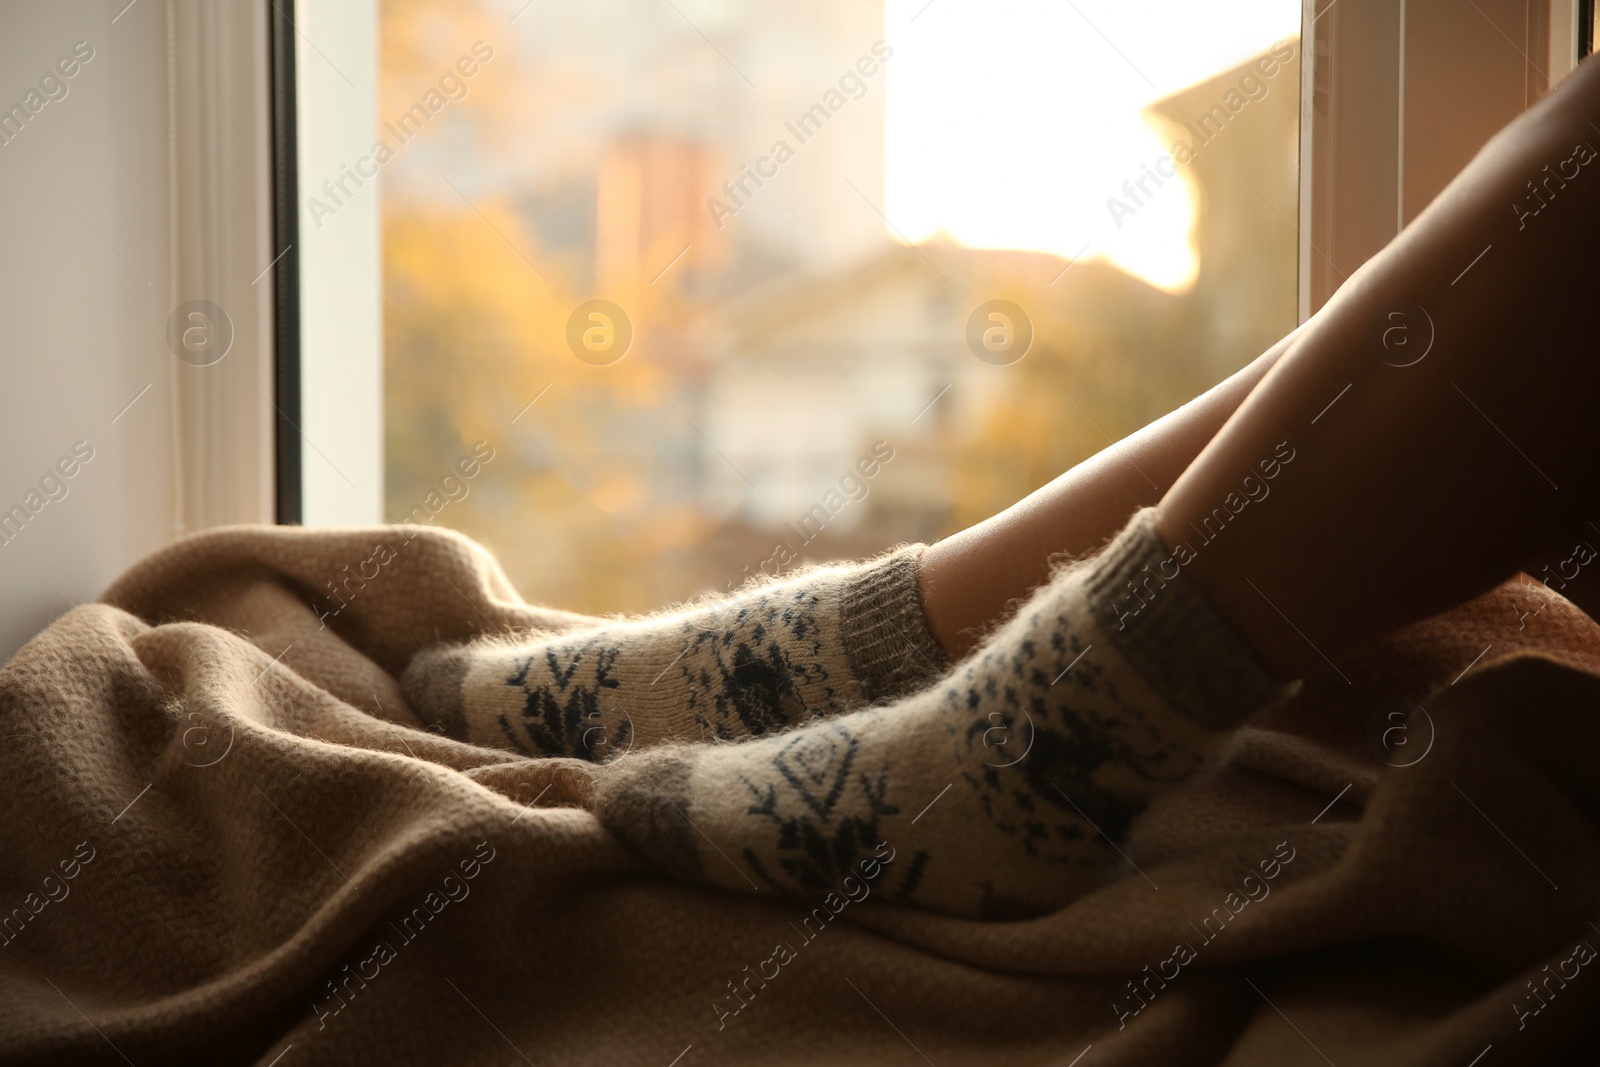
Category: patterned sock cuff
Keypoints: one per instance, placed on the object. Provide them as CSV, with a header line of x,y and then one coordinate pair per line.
x,y
1171,634
884,631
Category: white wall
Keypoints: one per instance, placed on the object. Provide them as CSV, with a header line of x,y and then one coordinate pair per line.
x,y
142,188
83,305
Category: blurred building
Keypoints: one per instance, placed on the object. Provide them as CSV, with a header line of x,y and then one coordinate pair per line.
x,y
777,343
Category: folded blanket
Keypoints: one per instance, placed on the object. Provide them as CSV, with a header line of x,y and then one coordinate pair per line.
x,y
228,839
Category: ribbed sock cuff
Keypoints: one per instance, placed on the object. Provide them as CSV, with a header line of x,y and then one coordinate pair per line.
x,y
1170,633
883,629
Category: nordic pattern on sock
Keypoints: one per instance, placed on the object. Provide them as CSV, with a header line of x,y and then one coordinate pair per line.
x,y
1006,786
729,668
797,811
754,674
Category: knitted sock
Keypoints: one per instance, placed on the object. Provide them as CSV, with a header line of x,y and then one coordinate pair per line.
x,y
827,640
1002,790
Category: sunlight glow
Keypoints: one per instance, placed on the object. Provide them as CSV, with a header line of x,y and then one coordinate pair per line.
x,y
1010,123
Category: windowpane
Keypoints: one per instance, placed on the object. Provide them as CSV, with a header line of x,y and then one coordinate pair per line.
x,y
726,287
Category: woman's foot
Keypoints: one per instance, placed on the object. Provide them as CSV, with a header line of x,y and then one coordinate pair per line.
x,y
829,640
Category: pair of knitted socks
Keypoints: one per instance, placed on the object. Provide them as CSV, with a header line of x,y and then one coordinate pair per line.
x,y
998,788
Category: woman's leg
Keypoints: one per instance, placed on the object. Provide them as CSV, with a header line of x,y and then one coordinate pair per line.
x,y
971,579
1415,487
1308,524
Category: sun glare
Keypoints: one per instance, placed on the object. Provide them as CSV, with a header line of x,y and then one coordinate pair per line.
x,y
1011,124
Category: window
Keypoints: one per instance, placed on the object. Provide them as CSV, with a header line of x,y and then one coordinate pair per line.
x,y
724,287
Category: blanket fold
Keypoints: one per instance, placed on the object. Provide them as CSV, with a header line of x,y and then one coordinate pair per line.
x,y
228,839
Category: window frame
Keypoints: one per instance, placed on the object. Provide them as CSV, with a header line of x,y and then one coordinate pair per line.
x,y
1364,54
328,451
287,459
1356,189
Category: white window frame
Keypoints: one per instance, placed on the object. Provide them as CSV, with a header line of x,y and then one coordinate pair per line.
x,y
220,204
340,423
314,399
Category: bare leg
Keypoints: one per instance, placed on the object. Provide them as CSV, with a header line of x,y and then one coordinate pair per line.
x,y
1345,496
970,579
1423,485
1413,487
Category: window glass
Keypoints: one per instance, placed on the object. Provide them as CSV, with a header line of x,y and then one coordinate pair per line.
x,y
696,288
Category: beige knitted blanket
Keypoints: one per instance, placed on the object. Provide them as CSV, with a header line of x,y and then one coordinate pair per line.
x,y
225,840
